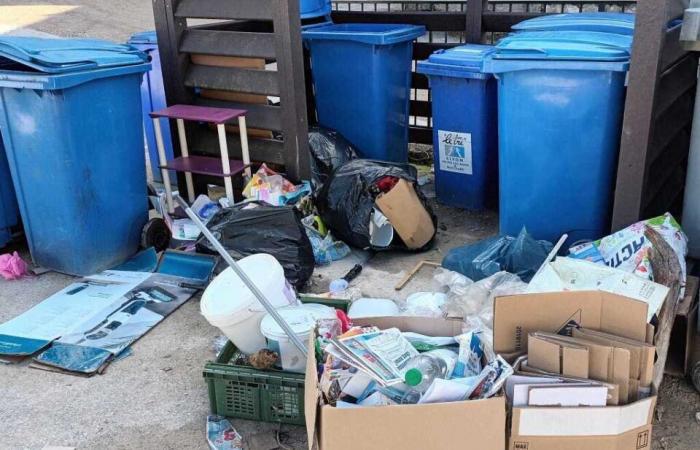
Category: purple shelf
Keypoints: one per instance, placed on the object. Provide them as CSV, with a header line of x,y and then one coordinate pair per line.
x,y
204,165
199,113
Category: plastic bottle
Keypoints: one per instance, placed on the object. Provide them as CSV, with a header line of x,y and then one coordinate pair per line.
x,y
428,366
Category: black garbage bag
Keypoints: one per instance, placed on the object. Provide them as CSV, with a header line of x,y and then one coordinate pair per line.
x,y
346,200
521,255
329,150
276,230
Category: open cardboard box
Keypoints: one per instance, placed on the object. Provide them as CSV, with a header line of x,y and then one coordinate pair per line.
x,y
467,425
626,427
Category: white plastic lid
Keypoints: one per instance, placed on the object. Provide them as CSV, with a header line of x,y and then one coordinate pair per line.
x,y
301,319
227,295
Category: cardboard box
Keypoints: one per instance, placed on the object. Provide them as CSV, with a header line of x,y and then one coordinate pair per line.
x,y
556,356
519,315
468,425
407,215
626,427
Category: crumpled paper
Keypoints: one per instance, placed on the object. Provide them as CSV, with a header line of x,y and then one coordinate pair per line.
x,y
12,266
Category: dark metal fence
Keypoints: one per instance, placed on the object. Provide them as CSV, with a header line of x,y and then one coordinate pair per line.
x,y
448,26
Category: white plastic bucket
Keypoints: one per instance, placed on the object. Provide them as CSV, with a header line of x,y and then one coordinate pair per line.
x,y
381,232
373,307
302,319
229,305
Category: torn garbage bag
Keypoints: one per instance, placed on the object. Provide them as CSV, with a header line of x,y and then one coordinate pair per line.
x,y
348,200
329,150
252,228
521,255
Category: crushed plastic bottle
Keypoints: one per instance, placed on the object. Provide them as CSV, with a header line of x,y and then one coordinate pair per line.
x,y
426,367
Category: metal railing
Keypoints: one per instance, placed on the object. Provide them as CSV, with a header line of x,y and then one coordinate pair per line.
x,y
420,120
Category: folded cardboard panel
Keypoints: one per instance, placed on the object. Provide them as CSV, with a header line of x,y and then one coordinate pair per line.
x,y
407,215
518,315
468,425
611,428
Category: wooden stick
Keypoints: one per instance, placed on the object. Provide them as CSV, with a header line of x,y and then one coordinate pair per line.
x,y
413,273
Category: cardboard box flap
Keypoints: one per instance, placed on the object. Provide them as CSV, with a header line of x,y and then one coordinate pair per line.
x,y
407,215
608,421
518,315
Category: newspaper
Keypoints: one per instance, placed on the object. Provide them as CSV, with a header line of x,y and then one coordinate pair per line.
x,y
383,355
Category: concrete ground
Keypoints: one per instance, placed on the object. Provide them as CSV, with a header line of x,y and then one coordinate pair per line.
x,y
156,398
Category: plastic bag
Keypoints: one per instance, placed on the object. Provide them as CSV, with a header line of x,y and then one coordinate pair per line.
x,y
329,150
326,248
347,199
251,228
474,301
628,249
520,255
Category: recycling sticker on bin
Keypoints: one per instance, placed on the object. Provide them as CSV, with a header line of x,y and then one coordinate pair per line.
x,y
455,151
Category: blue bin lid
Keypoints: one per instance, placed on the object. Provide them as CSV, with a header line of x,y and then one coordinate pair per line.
x,y
144,37
368,33
465,61
606,22
310,9
57,56
565,45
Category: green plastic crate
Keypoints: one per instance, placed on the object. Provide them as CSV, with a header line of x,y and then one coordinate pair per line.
x,y
263,395
247,393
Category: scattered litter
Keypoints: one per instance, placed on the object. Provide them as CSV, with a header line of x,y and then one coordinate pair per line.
x,y
521,255
326,248
221,435
12,266
83,327
264,359
404,281
252,228
373,307
568,274
628,249
474,301
268,186
347,201
425,304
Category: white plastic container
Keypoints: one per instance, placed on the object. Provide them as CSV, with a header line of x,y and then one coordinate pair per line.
x,y
230,306
373,307
302,319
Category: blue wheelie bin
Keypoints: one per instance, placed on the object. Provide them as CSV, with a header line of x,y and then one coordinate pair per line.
x,y
8,202
362,78
153,99
605,22
561,97
70,115
465,126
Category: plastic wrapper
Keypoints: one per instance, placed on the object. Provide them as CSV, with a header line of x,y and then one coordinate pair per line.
x,y
252,228
475,300
471,352
329,150
347,199
628,249
326,248
424,304
521,255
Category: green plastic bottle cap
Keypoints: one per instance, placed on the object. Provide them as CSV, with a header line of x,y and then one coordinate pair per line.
x,y
413,377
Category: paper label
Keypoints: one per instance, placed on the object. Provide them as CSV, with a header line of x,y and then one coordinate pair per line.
x,y
455,150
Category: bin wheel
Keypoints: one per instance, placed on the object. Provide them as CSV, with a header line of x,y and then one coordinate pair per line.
x,y
156,234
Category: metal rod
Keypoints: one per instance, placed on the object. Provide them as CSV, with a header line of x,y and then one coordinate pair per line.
x,y
553,253
242,275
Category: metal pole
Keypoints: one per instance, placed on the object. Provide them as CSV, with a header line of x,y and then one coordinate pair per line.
x,y
242,275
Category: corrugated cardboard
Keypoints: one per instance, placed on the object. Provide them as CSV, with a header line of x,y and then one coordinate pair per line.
x,y
407,215
626,427
606,362
557,357
518,315
469,425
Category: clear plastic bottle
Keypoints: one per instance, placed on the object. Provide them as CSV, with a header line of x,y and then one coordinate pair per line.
x,y
428,366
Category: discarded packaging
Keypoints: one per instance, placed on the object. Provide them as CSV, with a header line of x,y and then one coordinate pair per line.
x,y
221,435
347,202
12,266
628,249
569,274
